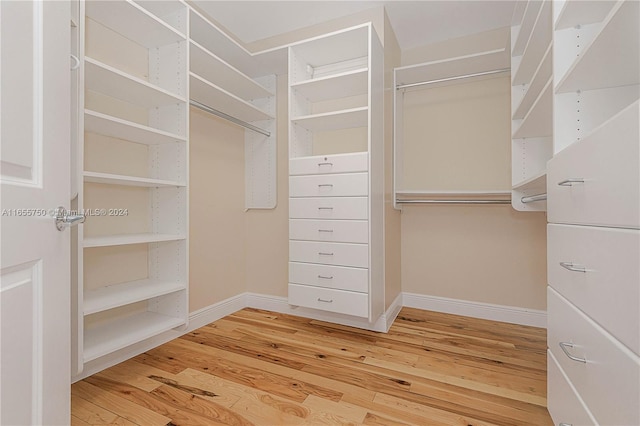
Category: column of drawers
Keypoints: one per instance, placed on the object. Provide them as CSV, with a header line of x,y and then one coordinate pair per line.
x,y
329,233
594,276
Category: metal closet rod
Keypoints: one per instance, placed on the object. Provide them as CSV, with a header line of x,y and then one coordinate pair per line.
x,y
457,77
230,118
453,201
532,198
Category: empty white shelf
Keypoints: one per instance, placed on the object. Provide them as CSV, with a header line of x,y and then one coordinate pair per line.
x,y
540,79
219,99
537,181
335,120
340,46
575,13
613,57
127,239
108,337
538,121
112,82
349,83
526,27
211,68
134,22
103,124
111,179
116,295
536,46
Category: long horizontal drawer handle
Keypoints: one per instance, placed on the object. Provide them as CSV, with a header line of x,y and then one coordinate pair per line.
x,y
572,267
565,424
325,278
325,164
327,185
325,208
325,230
325,300
564,346
325,254
570,181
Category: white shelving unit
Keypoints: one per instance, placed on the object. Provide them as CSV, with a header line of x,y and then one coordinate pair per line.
x,y
594,214
531,103
144,112
220,80
336,176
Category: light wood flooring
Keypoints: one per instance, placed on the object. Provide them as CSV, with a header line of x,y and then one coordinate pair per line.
x,y
261,368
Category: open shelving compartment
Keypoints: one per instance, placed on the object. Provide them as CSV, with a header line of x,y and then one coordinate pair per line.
x,y
436,77
226,80
133,170
531,105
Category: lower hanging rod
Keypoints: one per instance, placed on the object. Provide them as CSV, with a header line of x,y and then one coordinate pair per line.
x,y
458,77
229,118
532,198
453,201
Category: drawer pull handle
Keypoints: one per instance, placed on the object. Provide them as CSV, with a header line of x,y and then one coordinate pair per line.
x,y
325,230
325,254
325,208
570,181
325,164
323,185
325,300
572,267
565,424
325,278
564,346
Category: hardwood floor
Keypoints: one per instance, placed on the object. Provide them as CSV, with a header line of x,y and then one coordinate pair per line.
x,y
261,368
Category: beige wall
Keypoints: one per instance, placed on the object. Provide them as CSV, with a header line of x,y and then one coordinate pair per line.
x,y
217,234
489,254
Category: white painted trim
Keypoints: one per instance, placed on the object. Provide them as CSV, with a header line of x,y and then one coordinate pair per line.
x,y
214,312
502,313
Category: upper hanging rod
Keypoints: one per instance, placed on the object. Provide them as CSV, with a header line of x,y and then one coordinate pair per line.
x,y
458,77
453,201
532,198
229,118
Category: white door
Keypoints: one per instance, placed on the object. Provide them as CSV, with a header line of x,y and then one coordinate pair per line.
x,y
34,178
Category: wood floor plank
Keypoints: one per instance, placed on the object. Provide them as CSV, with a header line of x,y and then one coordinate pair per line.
x,y
116,404
256,367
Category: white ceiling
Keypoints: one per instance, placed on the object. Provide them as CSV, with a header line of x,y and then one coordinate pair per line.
x,y
415,22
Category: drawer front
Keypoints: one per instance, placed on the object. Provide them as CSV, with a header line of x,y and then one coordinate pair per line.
x,y
608,290
336,277
339,254
609,380
339,185
326,299
329,208
564,405
341,163
605,169
342,231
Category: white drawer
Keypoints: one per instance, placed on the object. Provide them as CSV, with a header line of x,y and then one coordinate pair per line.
x,y
326,299
329,208
342,231
607,163
563,403
338,185
337,277
608,291
339,163
609,380
340,254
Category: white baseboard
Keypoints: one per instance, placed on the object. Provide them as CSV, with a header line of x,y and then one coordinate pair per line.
x,y
510,314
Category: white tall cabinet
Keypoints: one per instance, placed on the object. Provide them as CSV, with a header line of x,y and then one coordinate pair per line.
x,y
336,172
593,187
